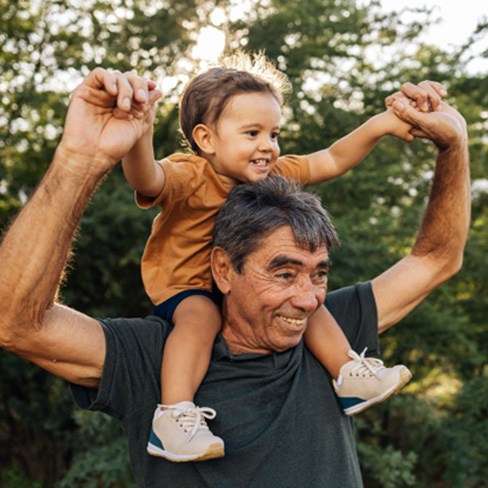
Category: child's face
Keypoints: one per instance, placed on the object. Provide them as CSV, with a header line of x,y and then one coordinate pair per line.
x,y
245,138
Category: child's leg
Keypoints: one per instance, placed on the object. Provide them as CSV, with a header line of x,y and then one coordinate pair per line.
x,y
179,430
188,348
327,342
359,382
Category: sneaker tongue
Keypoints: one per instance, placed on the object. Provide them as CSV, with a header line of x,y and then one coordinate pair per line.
x,y
184,405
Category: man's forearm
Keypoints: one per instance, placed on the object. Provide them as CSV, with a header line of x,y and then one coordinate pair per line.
x,y
36,247
444,228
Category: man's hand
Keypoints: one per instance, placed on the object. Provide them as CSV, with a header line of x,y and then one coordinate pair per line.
x,y
421,106
445,126
426,96
108,113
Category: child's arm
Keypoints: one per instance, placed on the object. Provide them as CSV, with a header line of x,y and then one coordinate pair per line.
x,y
142,172
349,151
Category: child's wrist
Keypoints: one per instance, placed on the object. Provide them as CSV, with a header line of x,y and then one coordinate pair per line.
x,y
381,123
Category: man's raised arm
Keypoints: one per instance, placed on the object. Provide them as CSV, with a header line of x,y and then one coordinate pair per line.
x,y
108,112
437,253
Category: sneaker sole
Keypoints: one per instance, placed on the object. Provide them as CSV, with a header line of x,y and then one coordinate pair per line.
x,y
214,451
361,407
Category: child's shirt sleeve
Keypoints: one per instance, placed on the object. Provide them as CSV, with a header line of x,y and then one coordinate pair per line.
x,y
294,167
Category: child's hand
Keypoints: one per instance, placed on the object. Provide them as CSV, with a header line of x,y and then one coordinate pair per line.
x,y
143,102
426,100
396,127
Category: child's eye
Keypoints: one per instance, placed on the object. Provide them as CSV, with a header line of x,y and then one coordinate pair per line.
x,y
252,133
275,135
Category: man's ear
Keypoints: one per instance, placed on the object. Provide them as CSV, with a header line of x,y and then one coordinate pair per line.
x,y
203,137
221,269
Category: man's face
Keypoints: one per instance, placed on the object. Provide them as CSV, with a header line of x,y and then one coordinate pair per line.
x,y
267,306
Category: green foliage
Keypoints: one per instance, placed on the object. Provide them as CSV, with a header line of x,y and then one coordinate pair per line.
x,y
14,477
36,441
104,277
343,57
388,467
105,463
462,437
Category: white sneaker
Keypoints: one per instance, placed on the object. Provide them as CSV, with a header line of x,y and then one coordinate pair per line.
x,y
180,433
364,382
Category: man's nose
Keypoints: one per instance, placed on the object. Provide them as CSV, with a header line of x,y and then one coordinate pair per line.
x,y
305,296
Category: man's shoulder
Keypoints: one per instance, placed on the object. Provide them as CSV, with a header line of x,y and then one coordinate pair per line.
x,y
142,329
357,292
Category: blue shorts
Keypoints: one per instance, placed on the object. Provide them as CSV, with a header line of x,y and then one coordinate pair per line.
x,y
166,309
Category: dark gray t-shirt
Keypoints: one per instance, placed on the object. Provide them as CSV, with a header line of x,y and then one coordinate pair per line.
x,y
277,413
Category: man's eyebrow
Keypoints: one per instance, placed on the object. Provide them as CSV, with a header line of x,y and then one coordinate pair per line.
x,y
325,264
281,260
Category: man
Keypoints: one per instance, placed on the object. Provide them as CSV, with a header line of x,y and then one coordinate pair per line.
x,y
281,422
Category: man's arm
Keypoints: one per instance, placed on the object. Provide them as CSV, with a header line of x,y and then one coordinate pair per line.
x,y
438,250
35,249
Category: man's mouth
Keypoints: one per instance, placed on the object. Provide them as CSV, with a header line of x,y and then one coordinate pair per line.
x,y
293,321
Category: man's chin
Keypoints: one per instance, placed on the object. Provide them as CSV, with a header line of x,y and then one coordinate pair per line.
x,y
288,344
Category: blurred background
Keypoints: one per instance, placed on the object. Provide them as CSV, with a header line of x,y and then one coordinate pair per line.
x,y
343,57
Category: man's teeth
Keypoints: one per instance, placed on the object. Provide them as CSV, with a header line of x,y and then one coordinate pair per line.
x,y
293,321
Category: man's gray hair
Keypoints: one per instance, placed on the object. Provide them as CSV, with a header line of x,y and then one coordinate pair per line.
x,y
254,210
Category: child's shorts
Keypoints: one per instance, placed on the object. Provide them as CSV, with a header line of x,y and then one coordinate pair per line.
x,y
166,309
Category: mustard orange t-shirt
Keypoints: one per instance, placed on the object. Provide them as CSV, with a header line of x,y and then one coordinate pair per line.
x,y
177,253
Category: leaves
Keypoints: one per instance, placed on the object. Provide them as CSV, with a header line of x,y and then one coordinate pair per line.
x,y
343,57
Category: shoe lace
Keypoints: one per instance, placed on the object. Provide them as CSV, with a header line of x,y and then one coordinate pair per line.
x,y
373,365
192,419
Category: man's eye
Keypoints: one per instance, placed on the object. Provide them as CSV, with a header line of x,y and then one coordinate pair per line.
x,y
285,276
321,277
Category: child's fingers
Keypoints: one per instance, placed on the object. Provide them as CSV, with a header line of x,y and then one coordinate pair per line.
x,y
140,87
124,92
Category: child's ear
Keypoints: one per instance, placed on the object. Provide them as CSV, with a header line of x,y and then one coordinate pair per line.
x,y
202,135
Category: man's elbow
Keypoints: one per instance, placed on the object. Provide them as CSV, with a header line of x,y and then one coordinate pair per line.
x,y
15,336
448,268
456,266
18,327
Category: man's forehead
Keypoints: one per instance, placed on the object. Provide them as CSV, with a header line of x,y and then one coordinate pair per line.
x,y
281,245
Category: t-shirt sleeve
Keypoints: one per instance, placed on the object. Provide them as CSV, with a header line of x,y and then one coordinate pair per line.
x,y
296,168
354,309
131,369
180,178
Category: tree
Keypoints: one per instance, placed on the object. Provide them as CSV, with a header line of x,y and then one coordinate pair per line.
x,y
46,47
342,58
